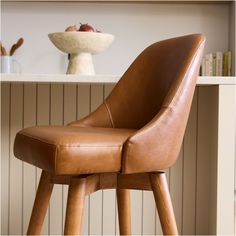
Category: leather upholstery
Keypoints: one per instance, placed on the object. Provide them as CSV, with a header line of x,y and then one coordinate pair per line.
x,y
153,96
71,150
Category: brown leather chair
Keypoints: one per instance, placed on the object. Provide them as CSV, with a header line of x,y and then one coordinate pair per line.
x,y
126,143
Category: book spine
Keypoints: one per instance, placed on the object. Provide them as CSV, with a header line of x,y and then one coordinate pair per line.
x,y
203,67
209,64
219,63
214,65
225,68
229,64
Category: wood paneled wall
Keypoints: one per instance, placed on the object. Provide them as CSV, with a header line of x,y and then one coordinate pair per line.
x,y
190,180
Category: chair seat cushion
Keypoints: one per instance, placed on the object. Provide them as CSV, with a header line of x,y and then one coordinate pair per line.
x,y
70,149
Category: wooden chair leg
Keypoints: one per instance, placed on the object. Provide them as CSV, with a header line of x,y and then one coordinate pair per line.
x,y
75,205
163,203
123,202
40,204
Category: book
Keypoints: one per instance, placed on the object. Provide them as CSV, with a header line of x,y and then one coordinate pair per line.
x,y
225,69
229,63
219,63
214,65
203,66
209,64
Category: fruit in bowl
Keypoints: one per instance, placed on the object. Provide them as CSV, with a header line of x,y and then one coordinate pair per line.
x,y
81,44
83,28
71,28
86,28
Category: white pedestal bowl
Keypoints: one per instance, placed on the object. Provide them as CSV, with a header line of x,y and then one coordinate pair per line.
x,y
81,46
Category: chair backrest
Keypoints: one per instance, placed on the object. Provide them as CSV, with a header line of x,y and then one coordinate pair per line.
x,y
154,96
152,78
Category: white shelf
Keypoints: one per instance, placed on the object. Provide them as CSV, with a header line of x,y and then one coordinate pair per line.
x,y
59,78
97,79
214,80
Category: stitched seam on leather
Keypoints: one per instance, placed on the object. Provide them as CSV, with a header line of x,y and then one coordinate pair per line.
x,y
38,139
59,145
109,113
84,146
47,143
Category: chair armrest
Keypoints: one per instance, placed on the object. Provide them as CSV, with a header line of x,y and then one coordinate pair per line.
x,y
156,146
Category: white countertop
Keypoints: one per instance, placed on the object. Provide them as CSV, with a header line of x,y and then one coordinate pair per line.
x,y
62,78
59,78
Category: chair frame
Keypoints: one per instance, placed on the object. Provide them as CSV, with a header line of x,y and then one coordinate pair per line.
x,y
84,185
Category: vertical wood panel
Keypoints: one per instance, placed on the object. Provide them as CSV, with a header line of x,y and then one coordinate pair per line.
x,y
56,204
107,89
29,171
83,102
176,189
43,104
136,211
148,214
95,203
43,113
189,172
203,160
214,162
108,216
16,121
70,103
5,152
96,96
70,106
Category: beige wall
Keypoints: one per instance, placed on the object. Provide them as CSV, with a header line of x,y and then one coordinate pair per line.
x,y
134,25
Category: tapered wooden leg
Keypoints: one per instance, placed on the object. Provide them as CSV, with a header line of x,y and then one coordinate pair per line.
x,y
163,203
40,204
123,202
75,205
